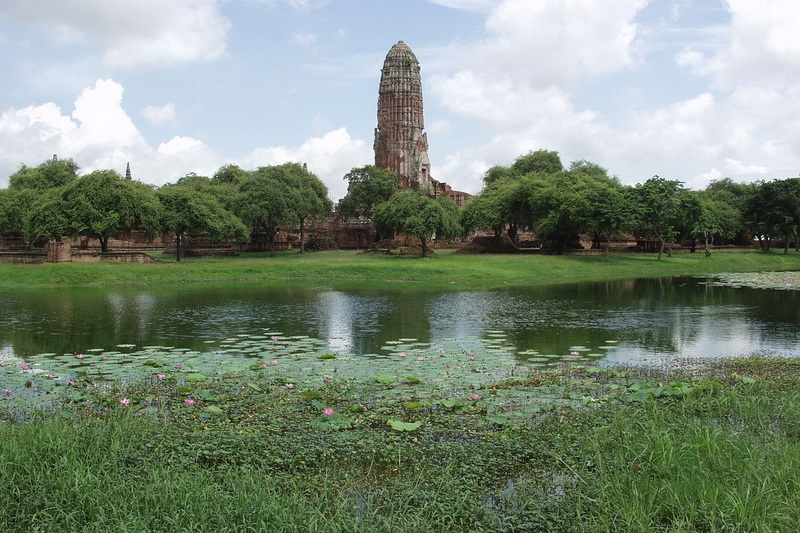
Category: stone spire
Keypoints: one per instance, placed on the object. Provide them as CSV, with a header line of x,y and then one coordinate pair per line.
x,y
401,145
128,171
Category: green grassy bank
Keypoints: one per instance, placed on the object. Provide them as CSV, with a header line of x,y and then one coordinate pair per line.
x,y
621,450
445,269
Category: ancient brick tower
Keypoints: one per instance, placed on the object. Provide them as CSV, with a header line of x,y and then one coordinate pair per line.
x,y
401,145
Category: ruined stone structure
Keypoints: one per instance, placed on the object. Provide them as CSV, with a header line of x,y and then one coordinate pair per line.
x,y
401,144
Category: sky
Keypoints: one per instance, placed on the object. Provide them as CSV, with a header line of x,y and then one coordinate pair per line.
x,y
691,90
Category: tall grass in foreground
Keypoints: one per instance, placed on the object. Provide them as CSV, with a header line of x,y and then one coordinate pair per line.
x,y
701,467
725,457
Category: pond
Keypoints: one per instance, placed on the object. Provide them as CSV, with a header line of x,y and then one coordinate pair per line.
x,y
634,321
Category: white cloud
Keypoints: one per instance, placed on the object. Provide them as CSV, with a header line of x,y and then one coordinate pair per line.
x,y
553,42
301,5
132,33
760,43
440,126
158,115
102,120
689,58
737,168
98,134
517,82
304,39
519,87
330,157
468,5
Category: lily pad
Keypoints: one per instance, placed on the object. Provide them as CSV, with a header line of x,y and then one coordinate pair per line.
x,y
398,425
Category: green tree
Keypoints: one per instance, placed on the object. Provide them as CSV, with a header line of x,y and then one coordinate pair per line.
x,y
46,219
309,196
97,205
497,173
266,201
418,215
368,187
48,175
726,202
695,220
609,212
563,205
186,210
773,211
485,212
540,161
658,210
229,174
14,207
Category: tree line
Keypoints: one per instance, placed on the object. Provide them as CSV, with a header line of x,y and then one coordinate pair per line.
x,y
51,200
536,194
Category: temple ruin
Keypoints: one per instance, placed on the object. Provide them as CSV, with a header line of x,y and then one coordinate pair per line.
x,y
401,144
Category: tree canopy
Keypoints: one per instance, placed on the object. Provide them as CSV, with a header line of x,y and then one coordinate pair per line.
x,y
97,205
416,214
369,187
265,201
48,175
186,210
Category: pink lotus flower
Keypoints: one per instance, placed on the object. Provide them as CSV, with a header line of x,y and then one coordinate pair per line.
x,y
104,358
80,356
472,358
448,365
71,383
335,368
475,397
273,338
274,362
402,354
263,365
189,402
7,392
25,367
289,385
574,353
420,358
125,401
328,411
326,378
161,376
179,366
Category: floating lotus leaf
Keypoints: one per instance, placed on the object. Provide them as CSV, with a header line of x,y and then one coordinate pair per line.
x,y
398,425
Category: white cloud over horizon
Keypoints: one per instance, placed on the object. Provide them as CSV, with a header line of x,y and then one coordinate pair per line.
x,y
99,134
132,33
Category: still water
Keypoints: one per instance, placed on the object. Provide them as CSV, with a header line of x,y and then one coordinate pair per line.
x,y
645,320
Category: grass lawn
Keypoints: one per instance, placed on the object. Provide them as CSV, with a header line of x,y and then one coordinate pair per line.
x,y
445,269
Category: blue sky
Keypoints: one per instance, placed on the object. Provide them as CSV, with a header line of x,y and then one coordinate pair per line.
x,y
693,90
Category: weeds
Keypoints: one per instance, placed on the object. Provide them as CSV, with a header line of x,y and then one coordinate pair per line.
x,y
721,453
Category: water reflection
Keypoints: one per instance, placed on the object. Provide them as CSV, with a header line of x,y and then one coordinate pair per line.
x,y
645,318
